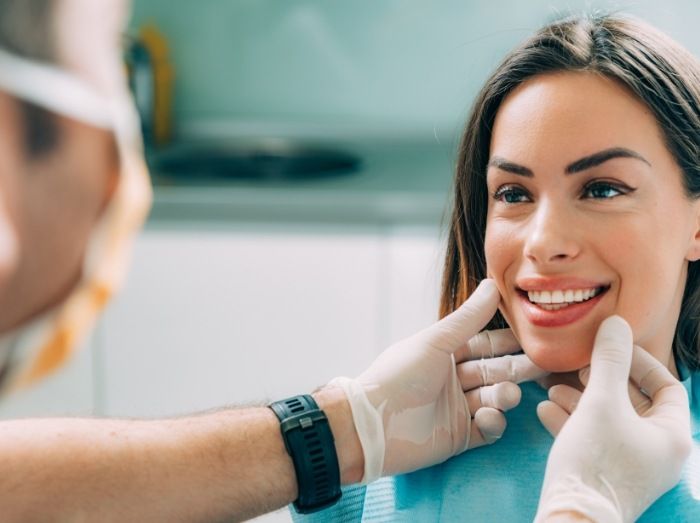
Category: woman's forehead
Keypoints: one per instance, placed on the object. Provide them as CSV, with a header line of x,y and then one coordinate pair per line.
x,y
559,117
568,115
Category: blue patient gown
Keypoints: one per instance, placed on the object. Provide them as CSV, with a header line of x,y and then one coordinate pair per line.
x,y
500,482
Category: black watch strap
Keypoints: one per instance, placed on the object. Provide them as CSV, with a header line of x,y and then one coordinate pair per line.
x,y
309,441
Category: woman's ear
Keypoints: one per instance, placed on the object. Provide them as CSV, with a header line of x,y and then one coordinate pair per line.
x,y
693,253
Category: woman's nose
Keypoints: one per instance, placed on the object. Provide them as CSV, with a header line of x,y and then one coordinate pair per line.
x,y
550,235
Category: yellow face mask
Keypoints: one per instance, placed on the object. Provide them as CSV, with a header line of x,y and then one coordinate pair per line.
x,y
39,347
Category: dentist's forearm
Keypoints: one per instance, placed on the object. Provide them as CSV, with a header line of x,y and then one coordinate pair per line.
x,y
228,465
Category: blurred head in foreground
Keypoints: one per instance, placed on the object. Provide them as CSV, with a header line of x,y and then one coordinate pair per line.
x,y
73,185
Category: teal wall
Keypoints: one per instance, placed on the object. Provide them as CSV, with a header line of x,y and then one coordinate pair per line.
x,y
393,65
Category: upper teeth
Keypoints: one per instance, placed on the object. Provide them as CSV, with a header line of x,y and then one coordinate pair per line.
x,y
567,296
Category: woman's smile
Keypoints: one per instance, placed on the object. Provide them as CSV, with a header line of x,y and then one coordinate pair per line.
x,y
558,302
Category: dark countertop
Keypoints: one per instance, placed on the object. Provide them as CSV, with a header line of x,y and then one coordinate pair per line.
x,y
399,181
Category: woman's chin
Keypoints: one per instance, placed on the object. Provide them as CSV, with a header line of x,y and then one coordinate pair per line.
x,y
557,357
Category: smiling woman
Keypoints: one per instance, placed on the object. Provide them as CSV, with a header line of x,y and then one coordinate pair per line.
x,y
590,200
578,172
577,191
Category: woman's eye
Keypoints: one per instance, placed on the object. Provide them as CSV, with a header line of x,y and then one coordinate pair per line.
x,y
510,194
602,191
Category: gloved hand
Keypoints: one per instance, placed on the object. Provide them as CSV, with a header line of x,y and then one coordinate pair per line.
x,y
409,407
610,462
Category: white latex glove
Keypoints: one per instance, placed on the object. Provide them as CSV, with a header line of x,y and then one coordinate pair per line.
x,y
609,462
409,407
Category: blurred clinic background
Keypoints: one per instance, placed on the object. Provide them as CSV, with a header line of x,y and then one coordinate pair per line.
x,y
301,154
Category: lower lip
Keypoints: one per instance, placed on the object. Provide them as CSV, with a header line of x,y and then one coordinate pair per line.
x,y
564,316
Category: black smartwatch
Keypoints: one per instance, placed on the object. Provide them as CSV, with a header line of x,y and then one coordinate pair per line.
x,y
309,441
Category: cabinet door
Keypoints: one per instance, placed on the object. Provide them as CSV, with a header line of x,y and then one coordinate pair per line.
x,y
231,316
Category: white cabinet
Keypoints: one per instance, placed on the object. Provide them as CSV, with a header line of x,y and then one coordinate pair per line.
x,y
233,315
227,316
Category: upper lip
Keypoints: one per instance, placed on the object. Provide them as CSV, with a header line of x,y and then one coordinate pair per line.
x,y
538,283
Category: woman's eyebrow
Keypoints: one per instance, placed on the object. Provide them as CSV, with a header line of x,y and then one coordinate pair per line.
x,y
596,159
582,164
511,167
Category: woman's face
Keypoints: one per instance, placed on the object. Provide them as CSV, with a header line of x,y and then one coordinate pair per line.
x,y
586,218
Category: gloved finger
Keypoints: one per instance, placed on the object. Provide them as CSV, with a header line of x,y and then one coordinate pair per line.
x,y
584,374
668,396
501,396
552,416
451,332
640,401
488,344
516,369
612,357
488,427
649,373
565,396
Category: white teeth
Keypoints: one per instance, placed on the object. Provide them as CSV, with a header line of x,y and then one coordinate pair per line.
x,y
560,298
553,306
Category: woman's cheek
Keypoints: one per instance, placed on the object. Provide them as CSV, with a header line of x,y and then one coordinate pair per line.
x,y
495,255
499,255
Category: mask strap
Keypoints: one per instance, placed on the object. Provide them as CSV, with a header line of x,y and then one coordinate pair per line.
x,y
54,89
